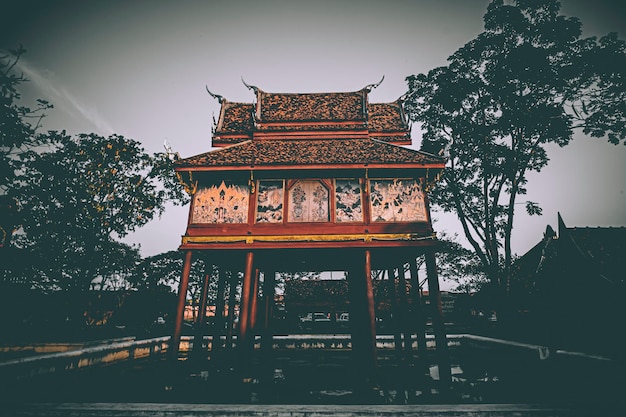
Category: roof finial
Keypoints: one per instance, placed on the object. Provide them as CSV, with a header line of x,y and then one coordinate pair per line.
x,y
373,86
173,156
250,87
219,98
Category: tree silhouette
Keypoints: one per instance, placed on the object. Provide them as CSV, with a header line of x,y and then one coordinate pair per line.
x,y
528,80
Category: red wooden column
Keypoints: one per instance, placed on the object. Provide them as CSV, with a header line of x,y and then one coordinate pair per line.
x,y
269,283
232,300
418,311
404,312
218,323
369,337
244,311
254,303
393,301
200,324
180,308
441,339
362,321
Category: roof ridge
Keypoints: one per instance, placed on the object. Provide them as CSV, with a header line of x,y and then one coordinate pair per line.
x,y
314,92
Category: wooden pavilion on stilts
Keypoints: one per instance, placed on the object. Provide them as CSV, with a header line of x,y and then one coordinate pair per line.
x,y
310,182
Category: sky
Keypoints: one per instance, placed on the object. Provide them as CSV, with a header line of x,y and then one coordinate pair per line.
x,y
140,68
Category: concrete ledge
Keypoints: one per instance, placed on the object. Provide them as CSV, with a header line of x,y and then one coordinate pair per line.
x,y
258,410
81,358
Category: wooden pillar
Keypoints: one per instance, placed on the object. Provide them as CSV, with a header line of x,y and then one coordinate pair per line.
x,y
438,324
254,303
269,288
200,324
356,308
218,323
362,322
180,307
244,309
393,304
370,334
404,312
232,300
419,316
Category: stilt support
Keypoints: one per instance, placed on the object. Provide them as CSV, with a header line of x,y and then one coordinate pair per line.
x,y
180,308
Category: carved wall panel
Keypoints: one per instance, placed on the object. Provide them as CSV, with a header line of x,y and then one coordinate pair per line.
x,y
269,207
397,200
348,207
221,204
308,202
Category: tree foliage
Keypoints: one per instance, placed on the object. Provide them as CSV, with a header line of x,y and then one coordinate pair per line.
x,y
528,80
78,197
458,264
18,127
163,271
67,200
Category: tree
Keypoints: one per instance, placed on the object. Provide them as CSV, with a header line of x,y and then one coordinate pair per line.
x,y
78,197
458,264
163,272
528,80
18,126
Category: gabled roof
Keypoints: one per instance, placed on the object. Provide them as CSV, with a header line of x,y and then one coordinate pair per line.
x,y
319,107
236,117
387,117
592,252
307,153
602,248
340,115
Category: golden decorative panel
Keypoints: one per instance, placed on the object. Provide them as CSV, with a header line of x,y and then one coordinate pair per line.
x,y
308,202
224,203
397,200
269,208
348,207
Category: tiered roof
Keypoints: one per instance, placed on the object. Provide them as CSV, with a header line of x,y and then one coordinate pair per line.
x,y
285,115
297,153
310,129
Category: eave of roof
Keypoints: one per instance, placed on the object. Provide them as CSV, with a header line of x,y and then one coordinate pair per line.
x,y
310,153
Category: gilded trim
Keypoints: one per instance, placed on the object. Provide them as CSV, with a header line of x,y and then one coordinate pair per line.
x,y
365,237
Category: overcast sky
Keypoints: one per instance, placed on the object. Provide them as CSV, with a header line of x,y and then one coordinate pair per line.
x,y
139,69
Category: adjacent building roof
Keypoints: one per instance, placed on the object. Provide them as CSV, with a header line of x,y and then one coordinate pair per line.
x,y
591,254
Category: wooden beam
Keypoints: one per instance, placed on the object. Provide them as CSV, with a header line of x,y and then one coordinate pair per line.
x,y
180,308
244,309
441,340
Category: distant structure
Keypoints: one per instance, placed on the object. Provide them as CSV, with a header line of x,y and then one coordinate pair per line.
x,y
310,182
573,285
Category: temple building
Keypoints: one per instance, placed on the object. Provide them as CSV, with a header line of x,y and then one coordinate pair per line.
x,y
570,287
310,182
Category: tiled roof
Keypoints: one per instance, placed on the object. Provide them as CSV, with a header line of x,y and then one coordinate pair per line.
x,y
597,250
346,113
403,139
236,118
326,107
304,126
306,152
603,246
386,117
